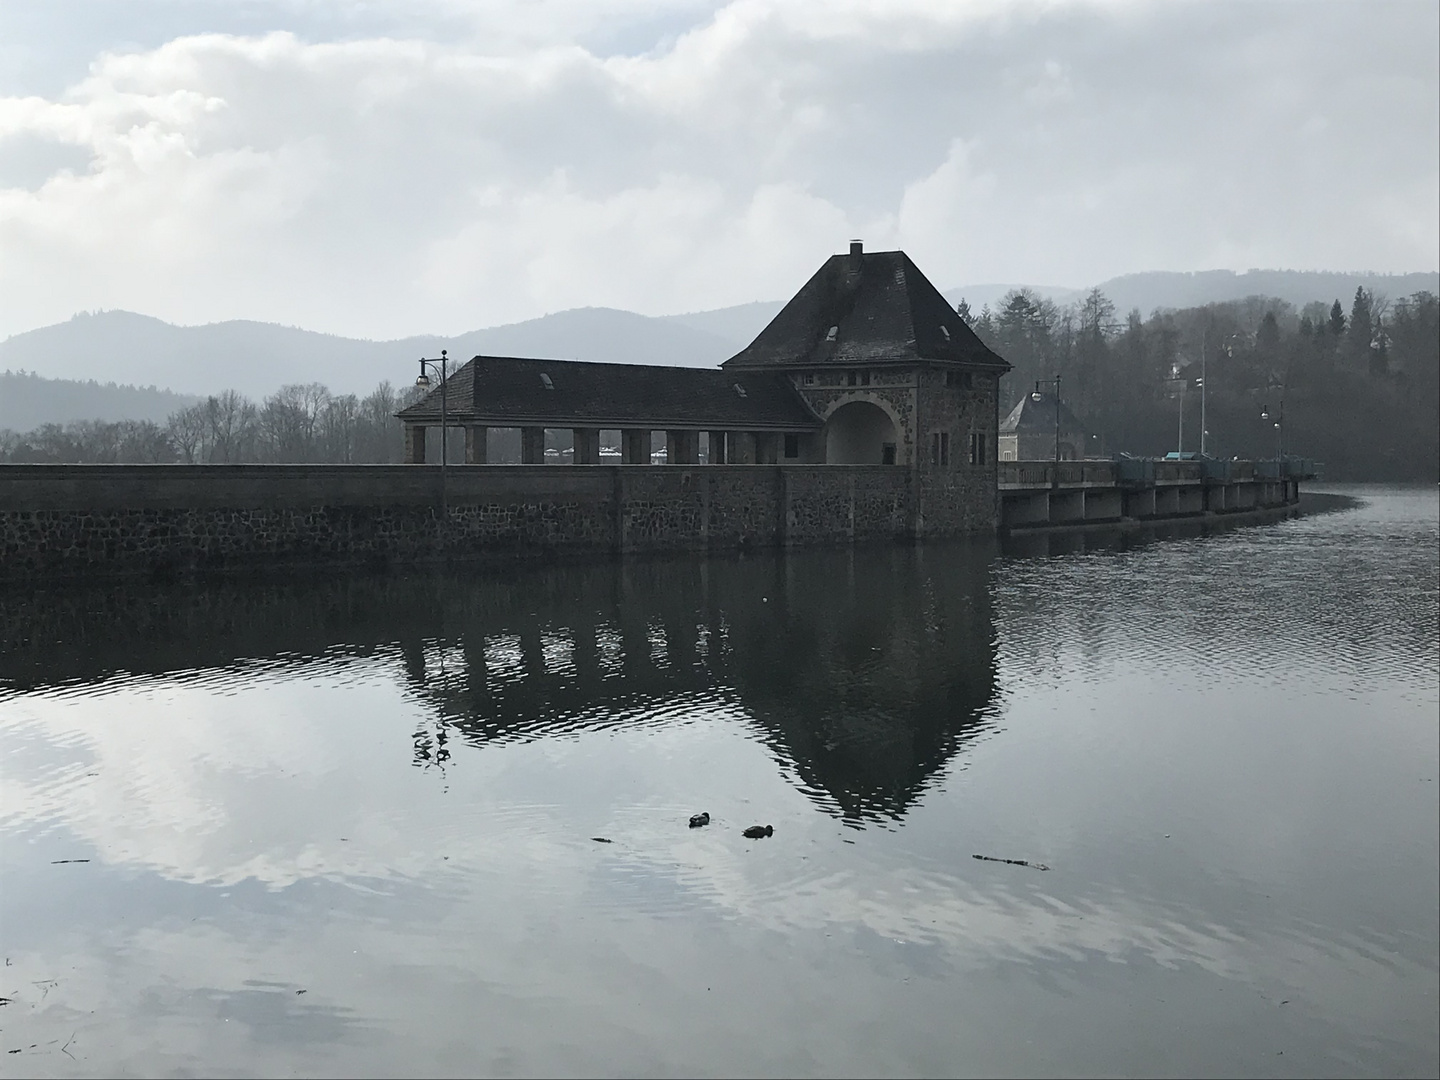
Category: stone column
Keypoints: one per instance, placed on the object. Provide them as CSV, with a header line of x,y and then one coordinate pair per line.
x,y
635,446
414,444
532,446
587,446
717,448
475,449
681,448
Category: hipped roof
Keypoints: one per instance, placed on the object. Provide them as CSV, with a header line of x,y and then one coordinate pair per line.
x,y
512,391
881,309
1031,415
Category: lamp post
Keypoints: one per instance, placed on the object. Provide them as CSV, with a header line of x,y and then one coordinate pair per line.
x,y
1204,336
1279,427
423,381
1036,396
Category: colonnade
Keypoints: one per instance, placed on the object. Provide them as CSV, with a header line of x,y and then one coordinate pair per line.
x,y
682,445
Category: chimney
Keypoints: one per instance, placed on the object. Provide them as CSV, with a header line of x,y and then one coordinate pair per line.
x,y
857,255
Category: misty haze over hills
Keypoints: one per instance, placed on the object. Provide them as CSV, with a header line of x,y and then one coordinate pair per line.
x,y
257,358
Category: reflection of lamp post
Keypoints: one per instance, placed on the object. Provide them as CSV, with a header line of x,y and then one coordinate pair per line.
x,y
1037,397
423,381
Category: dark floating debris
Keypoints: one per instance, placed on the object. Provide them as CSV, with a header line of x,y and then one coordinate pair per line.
x,y
697,820
756,832
62,862
601,840
1012,862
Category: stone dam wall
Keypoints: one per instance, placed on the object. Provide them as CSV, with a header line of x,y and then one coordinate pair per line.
x,y
88,520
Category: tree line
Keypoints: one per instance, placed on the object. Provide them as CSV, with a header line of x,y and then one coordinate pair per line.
x,y
297,424
1357,390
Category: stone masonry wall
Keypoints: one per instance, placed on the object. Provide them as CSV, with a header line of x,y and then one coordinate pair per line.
x,y
81,520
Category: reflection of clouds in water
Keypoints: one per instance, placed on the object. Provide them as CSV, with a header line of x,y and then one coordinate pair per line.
x,y
262,784
208,787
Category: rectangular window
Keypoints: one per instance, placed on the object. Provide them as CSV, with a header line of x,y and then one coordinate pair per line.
x,y
808,378
792,445
851,379
887,453
864,378
977,448
940,449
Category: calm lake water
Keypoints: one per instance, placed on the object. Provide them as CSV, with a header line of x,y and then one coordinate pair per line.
x,y
345,827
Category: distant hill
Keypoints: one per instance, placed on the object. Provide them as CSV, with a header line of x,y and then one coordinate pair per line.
x,y
257,358
28,400
737,325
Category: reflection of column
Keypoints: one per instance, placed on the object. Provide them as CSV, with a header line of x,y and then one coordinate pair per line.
x,y
414,444
477,674
413,651
475,448
532,446
680,643
587,446
532,651
585,652
681,448
717,448
635,446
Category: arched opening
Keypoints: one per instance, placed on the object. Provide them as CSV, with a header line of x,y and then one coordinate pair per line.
x,y
861,433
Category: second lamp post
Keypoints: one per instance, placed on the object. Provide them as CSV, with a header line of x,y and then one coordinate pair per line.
x,y
1037,397
423,381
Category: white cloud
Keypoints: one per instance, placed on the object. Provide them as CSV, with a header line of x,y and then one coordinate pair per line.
x,y
385,185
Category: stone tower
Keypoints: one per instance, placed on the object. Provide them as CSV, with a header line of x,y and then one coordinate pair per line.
x,y
897,379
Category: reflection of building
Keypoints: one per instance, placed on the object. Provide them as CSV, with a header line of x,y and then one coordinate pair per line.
x,y
864,673
866,365
1028,433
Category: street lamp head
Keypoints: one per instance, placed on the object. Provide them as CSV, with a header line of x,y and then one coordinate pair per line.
x,y
1264,414
1036,395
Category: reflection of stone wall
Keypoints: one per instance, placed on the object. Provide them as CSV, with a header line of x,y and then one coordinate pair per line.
x,y
865,671
65,520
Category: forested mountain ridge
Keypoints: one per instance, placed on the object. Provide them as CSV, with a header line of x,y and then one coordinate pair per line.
x,y
1355,385
255,358
28,399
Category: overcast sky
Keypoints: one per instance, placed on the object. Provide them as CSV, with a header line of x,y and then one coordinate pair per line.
x,y
384,167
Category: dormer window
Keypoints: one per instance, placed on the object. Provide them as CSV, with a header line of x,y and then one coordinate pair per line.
x,y
832,333
740,390
946,331
545,379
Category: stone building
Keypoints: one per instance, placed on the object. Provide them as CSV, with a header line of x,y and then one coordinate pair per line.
x,y
1029,432
866,365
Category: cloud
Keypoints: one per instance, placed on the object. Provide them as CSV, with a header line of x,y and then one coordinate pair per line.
x,y
477,169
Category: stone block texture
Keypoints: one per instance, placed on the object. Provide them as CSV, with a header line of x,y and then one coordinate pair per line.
x,y
86,520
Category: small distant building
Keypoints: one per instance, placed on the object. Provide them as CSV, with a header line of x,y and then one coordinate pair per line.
x,y
1028,433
